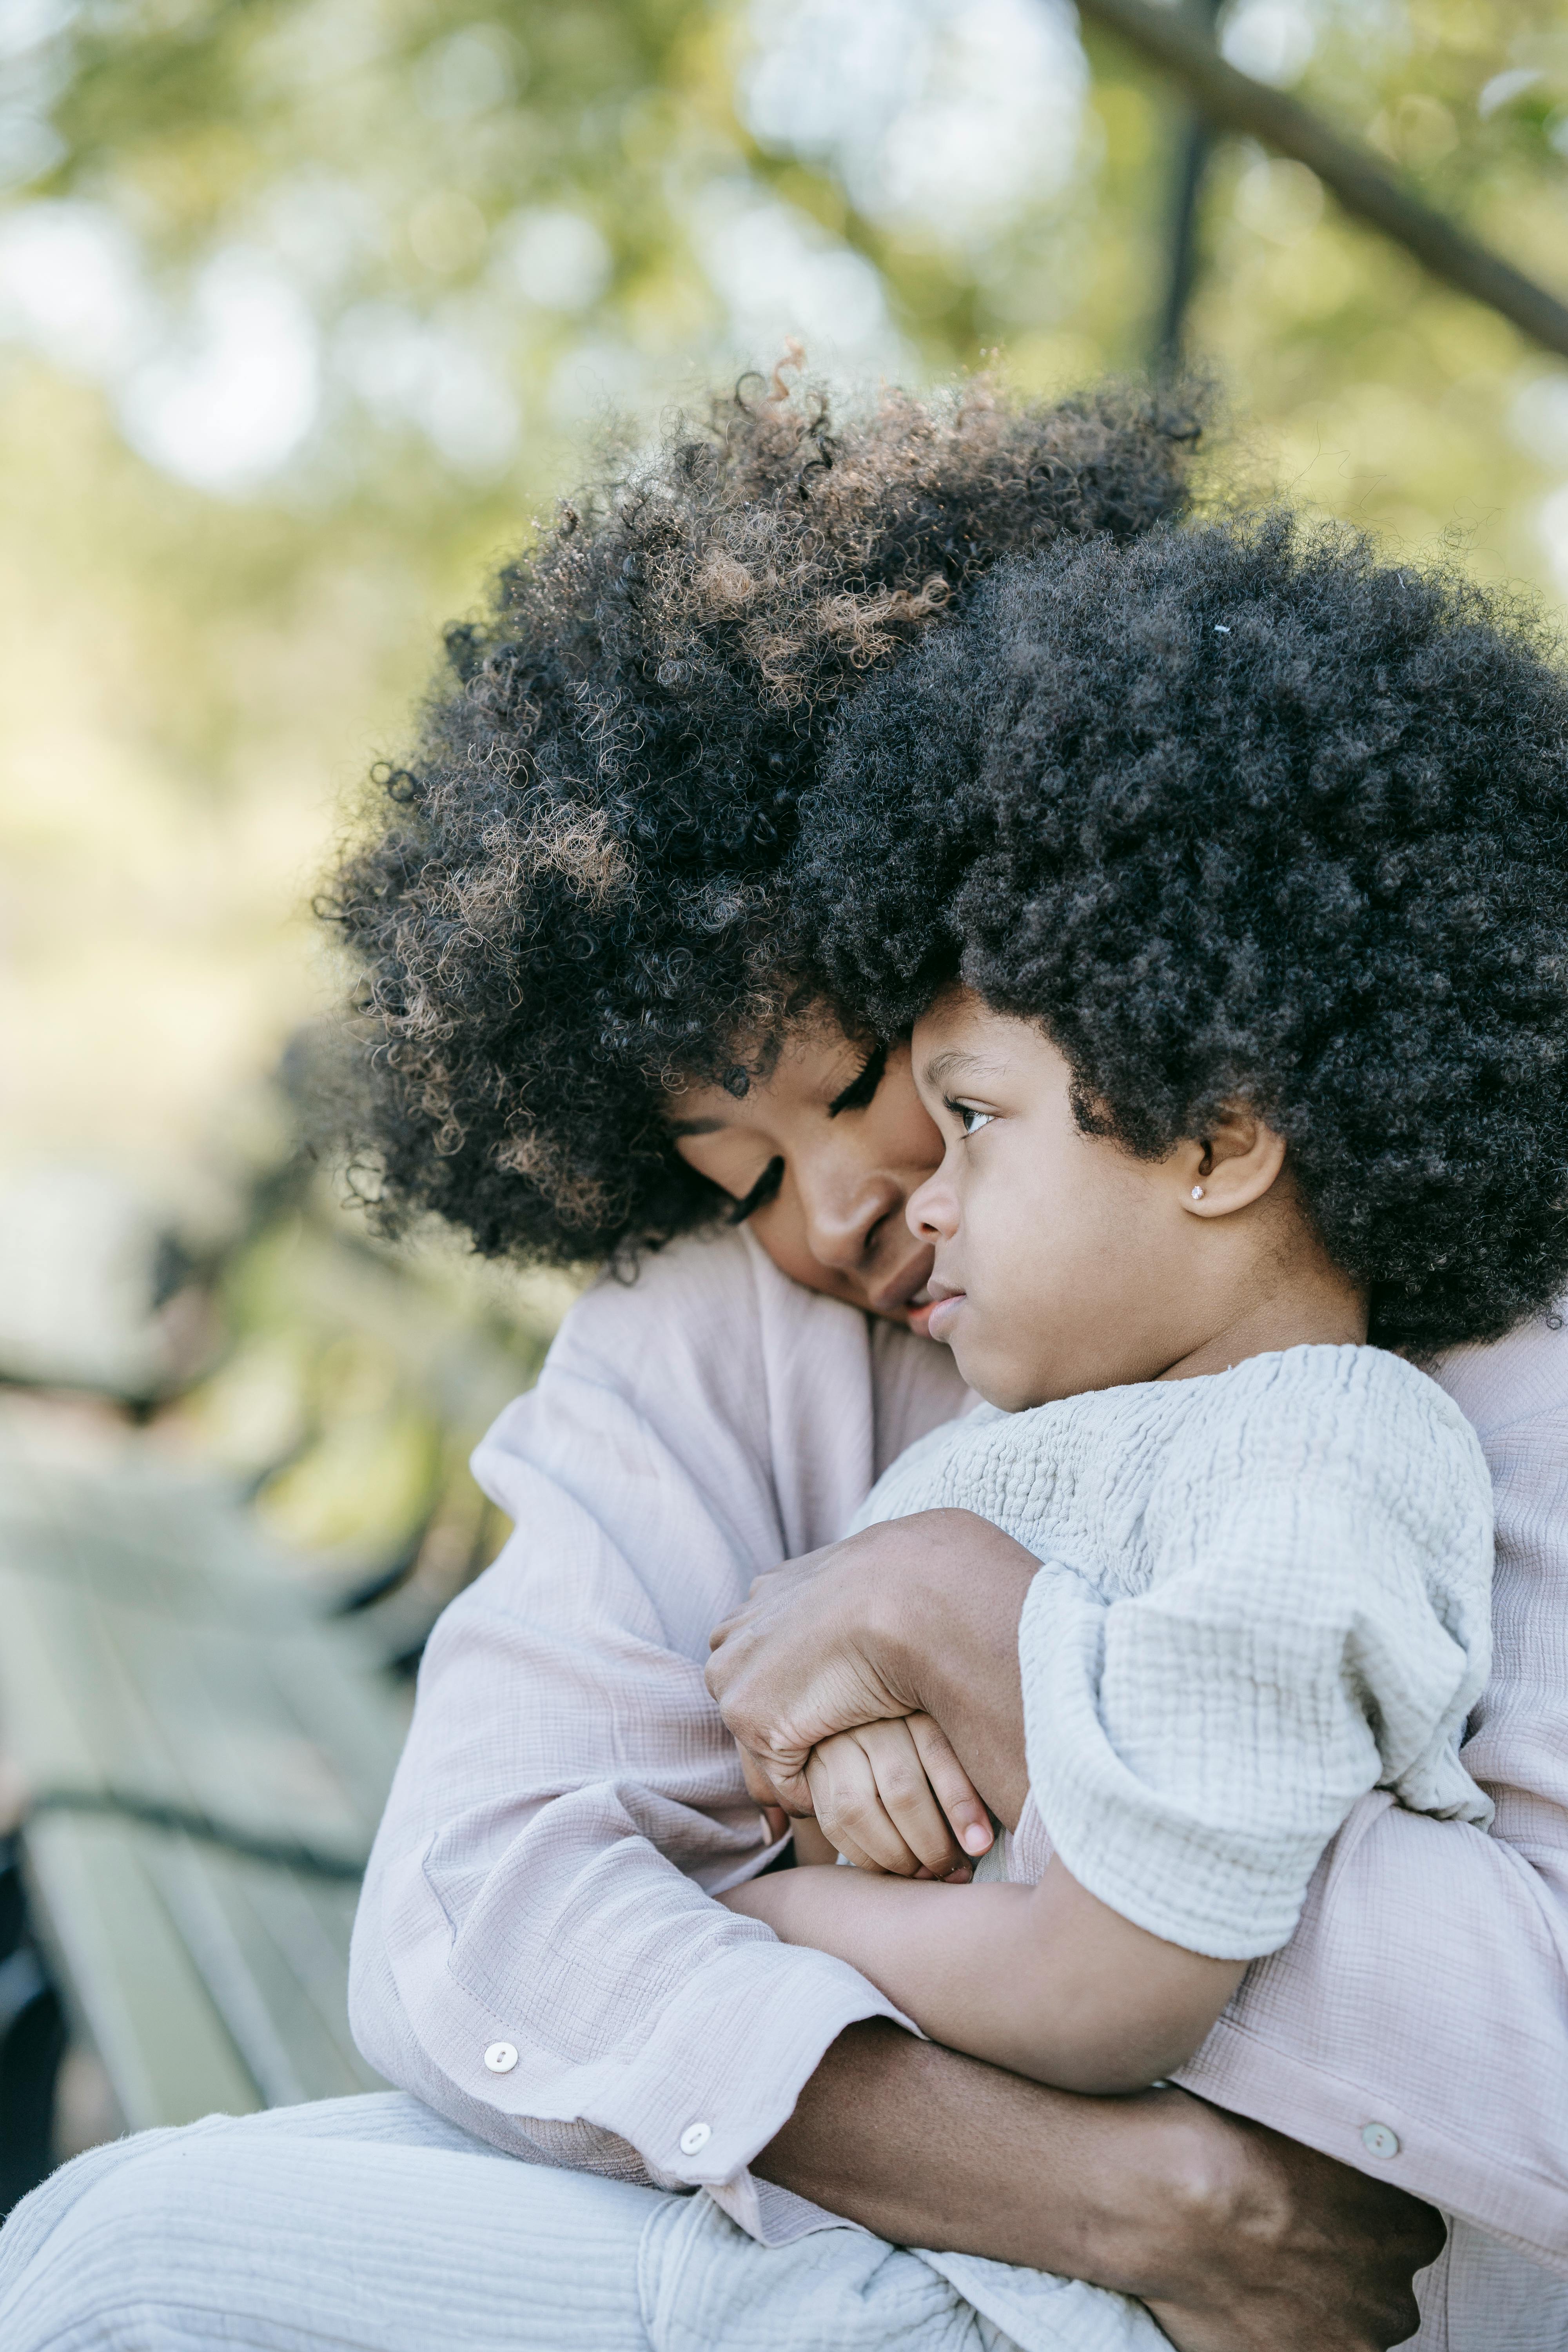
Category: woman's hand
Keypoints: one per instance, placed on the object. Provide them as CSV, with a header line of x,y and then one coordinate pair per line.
x,y
912,1616
1287,2251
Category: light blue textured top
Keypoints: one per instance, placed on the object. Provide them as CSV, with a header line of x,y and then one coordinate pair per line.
x,y
1261,1594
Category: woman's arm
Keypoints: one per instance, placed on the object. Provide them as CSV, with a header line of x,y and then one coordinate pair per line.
x,y
569,1798
1239,2239
1045,1981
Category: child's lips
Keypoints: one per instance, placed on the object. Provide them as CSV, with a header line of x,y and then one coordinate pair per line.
x,y
942,1312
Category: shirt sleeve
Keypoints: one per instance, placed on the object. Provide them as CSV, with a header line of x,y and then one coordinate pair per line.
x,y
1417,2025
537,1953
1317,1626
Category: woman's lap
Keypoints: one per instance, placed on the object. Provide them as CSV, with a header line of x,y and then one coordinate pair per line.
x,y
373,2224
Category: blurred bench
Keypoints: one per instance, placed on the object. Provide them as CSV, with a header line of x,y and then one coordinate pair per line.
x,y
203,1757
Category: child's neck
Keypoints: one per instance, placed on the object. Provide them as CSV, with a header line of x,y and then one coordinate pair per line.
x,y
1309,1302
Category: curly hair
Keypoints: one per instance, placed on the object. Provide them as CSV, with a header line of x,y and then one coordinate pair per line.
x,y
567,895
1241,814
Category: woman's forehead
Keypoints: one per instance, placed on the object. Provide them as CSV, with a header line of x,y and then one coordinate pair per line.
x,y
813,1065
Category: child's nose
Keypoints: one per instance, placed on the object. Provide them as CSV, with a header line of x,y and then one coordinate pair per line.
x,y
931,1211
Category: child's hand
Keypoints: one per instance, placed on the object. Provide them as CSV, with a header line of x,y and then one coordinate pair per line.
x,y
880,1793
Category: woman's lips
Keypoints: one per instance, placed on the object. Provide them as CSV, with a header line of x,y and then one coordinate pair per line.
x,y
909,1295
920,1311
919,1297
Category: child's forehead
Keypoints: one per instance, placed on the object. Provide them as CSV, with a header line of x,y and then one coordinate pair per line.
x,y
961,1038
957,1022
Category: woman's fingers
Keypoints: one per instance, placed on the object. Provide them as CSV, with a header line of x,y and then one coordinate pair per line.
x,y
798,1661
953,1790
783,1683
818,1648
771,1784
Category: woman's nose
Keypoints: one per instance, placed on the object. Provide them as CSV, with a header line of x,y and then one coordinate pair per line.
x,y
841,1217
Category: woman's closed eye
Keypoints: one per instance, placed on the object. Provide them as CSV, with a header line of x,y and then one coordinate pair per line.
x,y
862,1090
762,1192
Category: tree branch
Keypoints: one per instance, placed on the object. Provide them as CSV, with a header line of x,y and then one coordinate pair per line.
x,y
1233,101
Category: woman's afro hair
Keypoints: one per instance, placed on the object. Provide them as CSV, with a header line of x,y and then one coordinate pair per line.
x,y
567,895
1241,814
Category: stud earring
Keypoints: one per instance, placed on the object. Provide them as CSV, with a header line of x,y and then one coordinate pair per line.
x,y
1197,1192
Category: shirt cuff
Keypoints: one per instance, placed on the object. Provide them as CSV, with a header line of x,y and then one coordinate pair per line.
x,y
719,2070
772,2215
696,2088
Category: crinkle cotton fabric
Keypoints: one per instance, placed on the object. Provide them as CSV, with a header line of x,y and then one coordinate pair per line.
x,y
1262,1595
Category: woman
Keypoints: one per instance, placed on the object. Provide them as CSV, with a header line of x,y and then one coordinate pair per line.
x,y
573,892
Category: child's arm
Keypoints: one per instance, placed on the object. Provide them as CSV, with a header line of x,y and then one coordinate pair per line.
x,y
1045,1981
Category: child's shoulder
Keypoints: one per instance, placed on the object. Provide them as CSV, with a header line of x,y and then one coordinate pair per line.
x,y
1338,1426
1364,1392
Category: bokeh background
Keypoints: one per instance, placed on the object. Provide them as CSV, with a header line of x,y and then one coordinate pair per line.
x,y
309,307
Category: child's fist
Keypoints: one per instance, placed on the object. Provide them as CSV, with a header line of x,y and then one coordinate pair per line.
x,y
892,1796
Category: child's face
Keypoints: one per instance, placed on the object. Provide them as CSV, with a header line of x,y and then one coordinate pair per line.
x,y
1063,1263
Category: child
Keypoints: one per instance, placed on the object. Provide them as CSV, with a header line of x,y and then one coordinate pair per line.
x,y
1228,878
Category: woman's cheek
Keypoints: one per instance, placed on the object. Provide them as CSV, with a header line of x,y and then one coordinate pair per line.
x,y
780,1230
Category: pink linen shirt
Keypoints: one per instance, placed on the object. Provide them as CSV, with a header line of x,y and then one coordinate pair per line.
x,y
569,1802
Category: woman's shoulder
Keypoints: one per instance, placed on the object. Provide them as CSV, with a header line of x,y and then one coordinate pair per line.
x,y
706,1297
1502,1385
706,1345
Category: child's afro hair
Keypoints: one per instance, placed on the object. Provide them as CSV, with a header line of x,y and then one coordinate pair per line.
x,y
1244,813
568,891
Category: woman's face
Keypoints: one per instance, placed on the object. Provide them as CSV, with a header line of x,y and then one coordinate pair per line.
x,y
820,1161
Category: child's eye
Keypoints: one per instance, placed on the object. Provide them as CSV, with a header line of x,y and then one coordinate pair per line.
x,y
971,1119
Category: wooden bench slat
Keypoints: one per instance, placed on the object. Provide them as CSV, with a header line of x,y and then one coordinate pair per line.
x,y
155,1656
285,1728
168,2053
275,1970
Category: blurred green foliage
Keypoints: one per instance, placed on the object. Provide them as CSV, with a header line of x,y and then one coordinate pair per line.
x,y
307,306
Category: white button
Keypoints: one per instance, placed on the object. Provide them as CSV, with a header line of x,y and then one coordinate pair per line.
x,y
500,2057
695,2139
1379,2140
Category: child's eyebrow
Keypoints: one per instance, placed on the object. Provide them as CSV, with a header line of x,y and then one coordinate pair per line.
x,y
957,1061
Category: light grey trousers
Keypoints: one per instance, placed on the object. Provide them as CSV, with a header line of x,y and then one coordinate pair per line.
x,y
372,2223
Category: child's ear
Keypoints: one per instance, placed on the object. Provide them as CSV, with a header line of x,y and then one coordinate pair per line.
x,y
1234,1165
